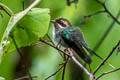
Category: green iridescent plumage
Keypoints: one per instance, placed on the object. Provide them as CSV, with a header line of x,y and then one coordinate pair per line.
x,y
65,33
75,34
73,37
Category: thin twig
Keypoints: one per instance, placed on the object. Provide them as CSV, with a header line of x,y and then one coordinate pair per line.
x,y
4,6
98,12
20,53
78,63
107,11
106,32
63,73
54,73
102,63
5,11
54,47
103,11
25,77
46,41
91,76
37,43
54,44
50,39
90,67
73,58
105,73
118,50
66,60
61,66
59,46
11,35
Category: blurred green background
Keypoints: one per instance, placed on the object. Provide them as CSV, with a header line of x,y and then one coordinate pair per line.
x,y
43,60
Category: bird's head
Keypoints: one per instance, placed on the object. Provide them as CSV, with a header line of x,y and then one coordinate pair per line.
x,y
61,23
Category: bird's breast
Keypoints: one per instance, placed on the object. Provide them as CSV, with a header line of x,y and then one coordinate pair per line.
x,y
57,37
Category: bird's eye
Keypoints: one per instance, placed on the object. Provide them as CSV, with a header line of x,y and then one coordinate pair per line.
x,y
61,23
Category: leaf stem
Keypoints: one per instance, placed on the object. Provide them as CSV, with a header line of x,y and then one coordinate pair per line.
x,y
4,6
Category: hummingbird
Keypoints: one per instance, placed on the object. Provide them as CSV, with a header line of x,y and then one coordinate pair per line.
x,y
71,37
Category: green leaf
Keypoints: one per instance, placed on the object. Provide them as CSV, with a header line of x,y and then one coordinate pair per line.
x,y
12,22
33,26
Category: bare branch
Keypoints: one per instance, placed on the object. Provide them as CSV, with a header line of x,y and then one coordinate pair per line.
x,y
54,47
91,76
61,66
106,32
103,11
73,58
54,43
107,11
46,41
98,12
102,63
25,77
50,39
54,73
105,73
118,50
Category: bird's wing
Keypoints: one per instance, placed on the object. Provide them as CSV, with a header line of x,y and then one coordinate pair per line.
x,y
82,42
71,37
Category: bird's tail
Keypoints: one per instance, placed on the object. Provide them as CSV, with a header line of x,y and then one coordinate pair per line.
x,y
93,53
82,54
